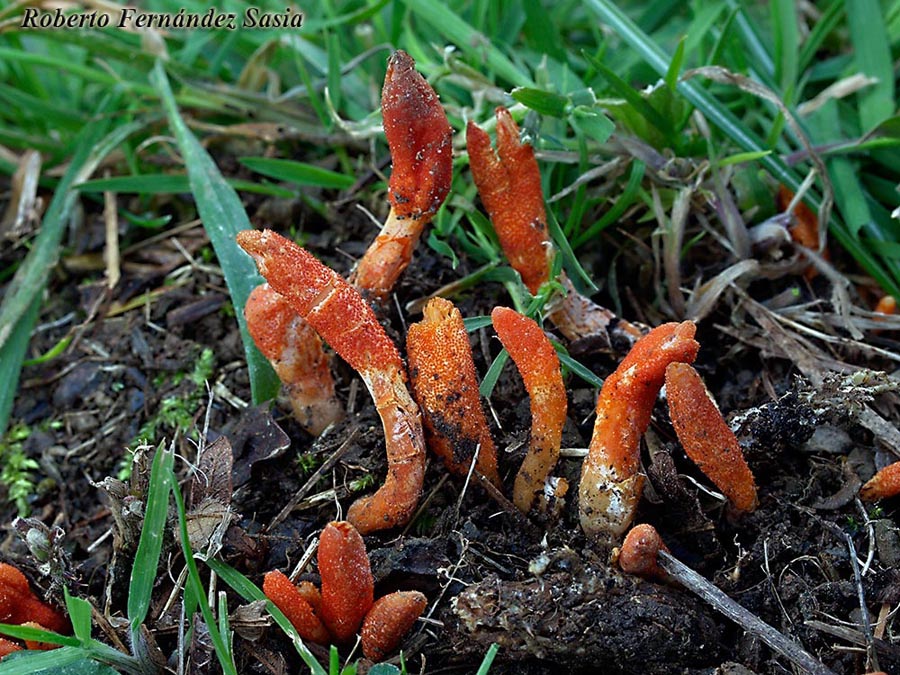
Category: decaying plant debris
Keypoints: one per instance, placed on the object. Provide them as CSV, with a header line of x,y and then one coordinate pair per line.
x,y
795,363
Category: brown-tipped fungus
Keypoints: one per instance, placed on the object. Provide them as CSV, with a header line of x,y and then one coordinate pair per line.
x,y
445,384
419,138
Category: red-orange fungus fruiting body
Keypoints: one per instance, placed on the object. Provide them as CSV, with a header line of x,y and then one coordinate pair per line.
x,y
611,483
538,365
292,603
805,230
883,485
389,621
340,315
445,384
18,604
509,183
638,554
706,437
348,589
296,353
420,140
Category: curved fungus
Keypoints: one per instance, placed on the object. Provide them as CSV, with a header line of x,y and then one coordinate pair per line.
x,y
611,483
296,353
445,384
706,438
538,365
340,315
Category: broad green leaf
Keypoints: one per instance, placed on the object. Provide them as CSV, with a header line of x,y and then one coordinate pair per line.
x,y
543,102
62,661
592,123
223,217
79,611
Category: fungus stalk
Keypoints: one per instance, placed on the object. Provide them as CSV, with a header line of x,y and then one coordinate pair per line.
x,y
419,138
611,482
538,365
343,319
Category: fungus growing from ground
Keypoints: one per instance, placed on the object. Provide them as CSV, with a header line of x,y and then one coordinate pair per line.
x,y
343,319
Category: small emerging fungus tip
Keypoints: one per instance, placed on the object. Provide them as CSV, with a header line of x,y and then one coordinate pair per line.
x,y
638,554
707,438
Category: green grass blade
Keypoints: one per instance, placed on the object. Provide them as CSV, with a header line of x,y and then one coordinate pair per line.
x,y
38,634
251,592
488,659
57,661
223,217
439,16
12,356
164,183
634,98
731,126
146,558
493,374
786,34
80,615
298,173
872,57
220,645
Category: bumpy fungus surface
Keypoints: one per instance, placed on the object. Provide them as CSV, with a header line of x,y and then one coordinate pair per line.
x,y
289,599
883,485
445,384
706,437
388,622
348,589
420,140
340,315
611,483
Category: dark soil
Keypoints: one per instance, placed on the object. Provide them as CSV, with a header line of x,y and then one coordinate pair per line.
x,y
545,594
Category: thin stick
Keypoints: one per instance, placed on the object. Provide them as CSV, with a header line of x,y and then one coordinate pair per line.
x,y
746,620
